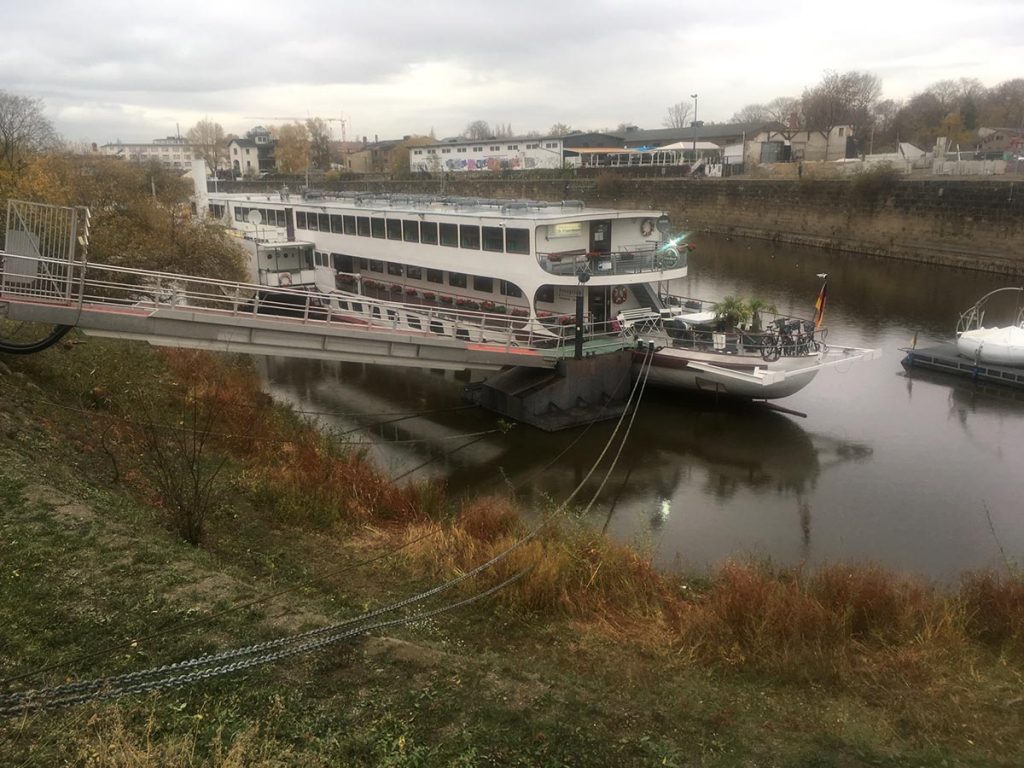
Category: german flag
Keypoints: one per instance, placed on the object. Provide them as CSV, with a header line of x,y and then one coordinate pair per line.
x,y
819,305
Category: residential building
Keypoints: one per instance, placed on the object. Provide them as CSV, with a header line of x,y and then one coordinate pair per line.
x,y
172,152
254,154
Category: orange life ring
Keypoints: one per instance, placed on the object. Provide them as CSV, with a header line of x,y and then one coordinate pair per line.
x,y
284,279
619,294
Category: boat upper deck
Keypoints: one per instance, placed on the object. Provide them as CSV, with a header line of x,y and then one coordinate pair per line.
x,y
410,204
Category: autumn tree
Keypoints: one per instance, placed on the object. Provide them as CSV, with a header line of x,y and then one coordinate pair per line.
x,y
319,142
140,214
208,142
678,115
24,129
292,149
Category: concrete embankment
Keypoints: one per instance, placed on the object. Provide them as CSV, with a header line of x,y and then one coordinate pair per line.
x,y
972,224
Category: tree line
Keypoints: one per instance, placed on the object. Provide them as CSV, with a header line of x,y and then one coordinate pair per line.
x,y
955,109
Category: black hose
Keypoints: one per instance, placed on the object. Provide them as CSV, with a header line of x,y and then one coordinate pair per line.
x,y
35,346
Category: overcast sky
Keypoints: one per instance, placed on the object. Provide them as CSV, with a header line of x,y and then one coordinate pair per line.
x,y
136,71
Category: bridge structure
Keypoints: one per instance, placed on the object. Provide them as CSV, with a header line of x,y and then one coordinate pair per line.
x,y
46,279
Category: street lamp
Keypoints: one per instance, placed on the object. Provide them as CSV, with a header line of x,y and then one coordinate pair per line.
x,y
694,97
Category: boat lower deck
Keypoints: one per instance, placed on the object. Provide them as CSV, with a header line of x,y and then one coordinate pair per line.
x,y
944,357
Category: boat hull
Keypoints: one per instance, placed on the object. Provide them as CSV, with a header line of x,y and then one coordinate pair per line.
x,y
674,369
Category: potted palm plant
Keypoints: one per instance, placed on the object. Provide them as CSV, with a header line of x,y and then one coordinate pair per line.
x,y
731,312
756,307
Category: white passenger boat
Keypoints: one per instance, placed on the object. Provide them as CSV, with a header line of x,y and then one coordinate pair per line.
x,y
996,345
429,264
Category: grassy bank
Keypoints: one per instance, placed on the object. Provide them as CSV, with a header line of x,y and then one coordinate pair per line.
x,y
592,658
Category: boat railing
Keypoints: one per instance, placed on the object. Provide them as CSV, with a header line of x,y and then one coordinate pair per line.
x,y
694,324
112,288
974,318
624,260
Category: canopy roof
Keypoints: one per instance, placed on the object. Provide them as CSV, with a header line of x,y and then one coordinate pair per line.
x,y
707,146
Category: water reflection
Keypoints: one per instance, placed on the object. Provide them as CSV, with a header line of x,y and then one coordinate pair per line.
x,y
898,469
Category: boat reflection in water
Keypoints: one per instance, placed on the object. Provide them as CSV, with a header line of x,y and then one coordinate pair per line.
x,y
691,477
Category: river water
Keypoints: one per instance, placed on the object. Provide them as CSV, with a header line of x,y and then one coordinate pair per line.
x,y
920,473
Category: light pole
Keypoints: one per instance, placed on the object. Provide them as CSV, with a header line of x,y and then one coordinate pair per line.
x,y
694,97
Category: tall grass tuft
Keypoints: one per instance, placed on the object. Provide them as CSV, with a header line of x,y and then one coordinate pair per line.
x,y
994,609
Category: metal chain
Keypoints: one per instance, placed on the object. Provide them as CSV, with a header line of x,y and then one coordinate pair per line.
x,y
60,697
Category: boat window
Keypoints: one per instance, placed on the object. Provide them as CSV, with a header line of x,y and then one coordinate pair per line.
x,y
414,273
349,223
510,289
517,240
413,321
324,220
336,224
483,284
437,327
377,228
338,262
375,311
376,266
363,226
343,305
456,280
494,239
239,214
307,257
469,236
546,293
300,219
435,276
428,232
411,231
449,235
282,220
357,307
394,229
393,315
462,334
311,222
394,269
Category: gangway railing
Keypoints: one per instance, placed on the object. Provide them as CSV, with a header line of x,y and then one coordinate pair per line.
x,y
110,300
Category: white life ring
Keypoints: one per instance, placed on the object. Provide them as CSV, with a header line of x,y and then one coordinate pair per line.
x,y
619,294
284,279
646,227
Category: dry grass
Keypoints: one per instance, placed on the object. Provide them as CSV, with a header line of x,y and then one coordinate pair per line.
x,y
858,624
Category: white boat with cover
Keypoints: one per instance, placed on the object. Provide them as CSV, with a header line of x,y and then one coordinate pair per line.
x,y
450,265
996,345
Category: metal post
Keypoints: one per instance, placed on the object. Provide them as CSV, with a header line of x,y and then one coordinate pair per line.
x,y
694,97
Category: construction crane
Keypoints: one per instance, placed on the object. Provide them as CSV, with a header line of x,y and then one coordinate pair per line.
x,y
302,120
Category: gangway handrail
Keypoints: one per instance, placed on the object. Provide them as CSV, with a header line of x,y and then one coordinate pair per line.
x,y
105,286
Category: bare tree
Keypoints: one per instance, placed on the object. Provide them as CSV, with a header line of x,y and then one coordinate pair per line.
x,y
208,142
560,129
751,113
478,129
319,142
503,131
678,115
24,129
841,99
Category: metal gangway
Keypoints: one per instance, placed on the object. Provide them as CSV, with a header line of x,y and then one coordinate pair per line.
x,y
46,279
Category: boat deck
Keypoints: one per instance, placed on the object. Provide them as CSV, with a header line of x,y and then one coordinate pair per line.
x,y
944,357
